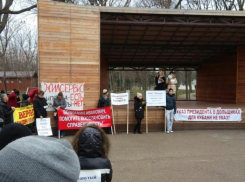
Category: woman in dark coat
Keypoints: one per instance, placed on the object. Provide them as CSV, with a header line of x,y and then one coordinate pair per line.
x,y
92,147
160,81
139,109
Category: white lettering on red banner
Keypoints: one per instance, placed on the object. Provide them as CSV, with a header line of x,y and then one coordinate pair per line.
x,y
73,93
72,120
208,115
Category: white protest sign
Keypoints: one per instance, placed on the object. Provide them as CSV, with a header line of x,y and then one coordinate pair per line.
x,y
73,93
90,176
44,127
119,99
156,98
208,115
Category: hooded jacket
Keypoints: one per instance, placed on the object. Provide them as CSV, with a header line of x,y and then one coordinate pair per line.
x,y
39,104
139,108
170,102
32,94
13,100
90,149
7,112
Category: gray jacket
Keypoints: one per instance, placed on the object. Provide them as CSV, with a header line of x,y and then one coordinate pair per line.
x,y
61,103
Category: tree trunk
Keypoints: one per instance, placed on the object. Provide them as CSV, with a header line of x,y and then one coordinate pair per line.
x,y
186,85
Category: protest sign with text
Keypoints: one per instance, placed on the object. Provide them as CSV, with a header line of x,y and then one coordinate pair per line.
x,y
75,119
73,93
44,127
24,115
208,115
156,98
119,99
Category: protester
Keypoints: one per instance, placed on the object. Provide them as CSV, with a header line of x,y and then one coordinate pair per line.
x,y
1,117
171,110
13,98
33,94
7,110
92,147
105,102
160,81
39,159
2,92
59,102
40,106
25,100
172,82
12,132
139,109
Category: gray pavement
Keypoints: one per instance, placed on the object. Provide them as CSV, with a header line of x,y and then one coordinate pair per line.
x,y
183,156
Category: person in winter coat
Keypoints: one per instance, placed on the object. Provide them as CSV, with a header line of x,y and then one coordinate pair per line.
x,y
12,132
40,106
33,94
160,81
171,110
25,100
7,110
92,147
59,102
172,82
105,102
139,109
13,98
104,99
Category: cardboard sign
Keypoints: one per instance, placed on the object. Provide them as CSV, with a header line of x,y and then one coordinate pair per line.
x,y
73,93
156,98
119,99
74,120
44,127
208,115
24,115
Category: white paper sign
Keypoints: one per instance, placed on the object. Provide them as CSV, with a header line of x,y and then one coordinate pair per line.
x,y
156,98
73,93
208,115
119,99
44,127
90,176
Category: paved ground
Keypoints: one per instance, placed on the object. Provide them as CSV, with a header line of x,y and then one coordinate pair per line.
x,y
183,156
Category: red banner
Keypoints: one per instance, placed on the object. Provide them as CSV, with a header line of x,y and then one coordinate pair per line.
x,y
75,119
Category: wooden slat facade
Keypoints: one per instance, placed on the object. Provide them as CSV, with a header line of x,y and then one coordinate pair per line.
x,y
69,47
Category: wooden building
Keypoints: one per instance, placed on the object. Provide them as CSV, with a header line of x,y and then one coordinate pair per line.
x,y
19,80
82,43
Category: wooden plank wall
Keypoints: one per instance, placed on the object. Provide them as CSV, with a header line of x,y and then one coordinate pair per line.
x,y
216,79
69,46
240,74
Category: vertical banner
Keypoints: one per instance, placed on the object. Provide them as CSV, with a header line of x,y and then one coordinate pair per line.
x,y
44,127
120,99
73,93
24,115
155,98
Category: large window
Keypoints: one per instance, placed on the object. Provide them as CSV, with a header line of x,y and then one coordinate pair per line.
x,y
140,81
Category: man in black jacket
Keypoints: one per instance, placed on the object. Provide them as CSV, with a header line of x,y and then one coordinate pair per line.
x,y
171,110
105,102
7,111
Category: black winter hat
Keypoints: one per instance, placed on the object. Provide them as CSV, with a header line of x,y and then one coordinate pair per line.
x,y
12,132
25,96
16,92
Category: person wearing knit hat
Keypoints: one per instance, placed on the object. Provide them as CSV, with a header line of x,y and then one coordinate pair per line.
x,y
12,132
139,109
39,159
104,101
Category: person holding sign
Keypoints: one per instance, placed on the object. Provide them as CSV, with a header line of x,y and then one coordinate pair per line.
x,y
92,147
59,103
139,109
160,81
171,110
40,106
105,102
172,82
